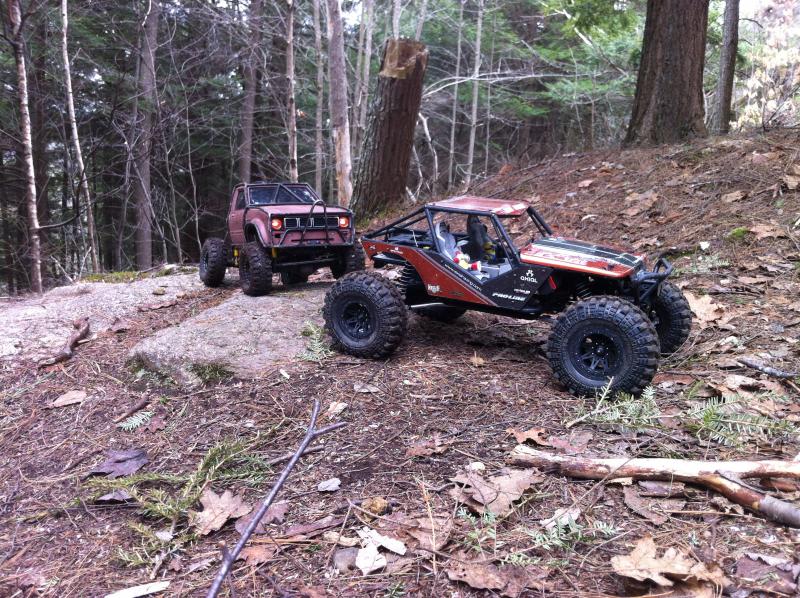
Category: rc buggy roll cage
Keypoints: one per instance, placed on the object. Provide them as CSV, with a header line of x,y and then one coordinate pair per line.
x,y
464,253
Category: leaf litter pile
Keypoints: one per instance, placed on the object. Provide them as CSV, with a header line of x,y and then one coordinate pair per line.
x,y
418,495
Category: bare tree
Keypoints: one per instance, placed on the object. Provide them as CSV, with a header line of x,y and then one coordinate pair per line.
x,y
292,116
76,142
727,65
421,20
363,88
250,70
18,44
454,114
476,71
397,9
320,83
340,123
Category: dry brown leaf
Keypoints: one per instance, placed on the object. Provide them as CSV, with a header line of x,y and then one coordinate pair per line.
x,y
429,446
585,183
481,576
217,509
69,398
255,554
573,443
121,463
424,531
534,434
766,231
309,529
768,573
791,181
705,309
509,580
337,538
275,514
653,509
643,563
495,494
734,196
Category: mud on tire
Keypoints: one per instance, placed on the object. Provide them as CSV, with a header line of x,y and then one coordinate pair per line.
x,y
672,317
442,313
600,338
351,261
365,315
255,270
213,262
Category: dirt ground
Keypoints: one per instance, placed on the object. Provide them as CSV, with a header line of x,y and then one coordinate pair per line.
x,y
441,407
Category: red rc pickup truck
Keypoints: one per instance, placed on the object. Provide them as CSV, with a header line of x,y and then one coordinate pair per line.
x,y
281,228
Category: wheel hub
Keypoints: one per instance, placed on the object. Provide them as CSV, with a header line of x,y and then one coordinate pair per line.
x,y
598,355
357,320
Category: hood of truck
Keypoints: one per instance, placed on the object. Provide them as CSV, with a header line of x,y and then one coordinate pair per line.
x,y
299,209
579,256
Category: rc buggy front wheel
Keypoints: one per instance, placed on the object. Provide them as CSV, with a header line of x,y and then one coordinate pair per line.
x,y
672,317
365,315
255,270
213,262
351,260
601,339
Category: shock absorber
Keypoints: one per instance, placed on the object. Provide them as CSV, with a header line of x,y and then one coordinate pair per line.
x,y
582,290
408,276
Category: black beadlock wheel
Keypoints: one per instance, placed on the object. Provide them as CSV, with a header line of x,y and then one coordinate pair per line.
x,y
365,315
601,339
442,313
672,317
255,270
351,260
293,277
213,262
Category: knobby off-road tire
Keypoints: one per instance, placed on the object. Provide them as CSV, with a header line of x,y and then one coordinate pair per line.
x,y
442,313
672,317
213,262
601,338
255,270
350,261
293,277
365,315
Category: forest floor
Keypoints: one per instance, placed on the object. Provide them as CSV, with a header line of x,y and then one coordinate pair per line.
x,y
445,405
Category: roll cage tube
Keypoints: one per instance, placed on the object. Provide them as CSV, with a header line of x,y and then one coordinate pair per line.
x,y
308,220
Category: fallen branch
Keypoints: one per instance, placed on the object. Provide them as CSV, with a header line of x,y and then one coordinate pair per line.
x,y
140,405
721,476
769,371
312,433
81,326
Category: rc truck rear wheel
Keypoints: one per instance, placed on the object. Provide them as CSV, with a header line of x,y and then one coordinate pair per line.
x,y
255,270
294,277
442,313
672,317
213,262
365,315
350,261
603,338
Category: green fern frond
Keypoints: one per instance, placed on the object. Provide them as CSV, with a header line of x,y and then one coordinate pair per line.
x,y
722,420
135,421
317,349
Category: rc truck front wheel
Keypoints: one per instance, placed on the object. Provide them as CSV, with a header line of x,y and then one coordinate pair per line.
x,y
601,339
351,260
365,315
672,317
213,262
255,270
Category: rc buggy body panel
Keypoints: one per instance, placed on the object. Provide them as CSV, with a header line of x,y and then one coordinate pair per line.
x,y
614,316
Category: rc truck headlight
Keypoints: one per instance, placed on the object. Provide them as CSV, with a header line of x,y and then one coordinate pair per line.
x,y
276,223
344,221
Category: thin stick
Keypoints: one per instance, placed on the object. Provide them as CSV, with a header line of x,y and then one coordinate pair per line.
x,y
140,405
311,434
769,371
81,326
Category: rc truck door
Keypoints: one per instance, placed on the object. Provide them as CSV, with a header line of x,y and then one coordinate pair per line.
x,y
236,216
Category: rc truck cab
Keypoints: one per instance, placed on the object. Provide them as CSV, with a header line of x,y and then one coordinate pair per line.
x,y
463,253
281,228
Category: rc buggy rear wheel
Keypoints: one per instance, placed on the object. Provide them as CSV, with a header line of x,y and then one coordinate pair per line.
x,y
442,313
365,315
255,270
351,260
294,277
672,318
213,262
601,339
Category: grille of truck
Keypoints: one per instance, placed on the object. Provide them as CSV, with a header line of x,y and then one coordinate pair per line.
x,y
314,222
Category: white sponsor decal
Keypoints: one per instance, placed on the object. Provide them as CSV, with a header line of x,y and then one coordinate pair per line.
x,y
523,291
529,276
506,296
433,288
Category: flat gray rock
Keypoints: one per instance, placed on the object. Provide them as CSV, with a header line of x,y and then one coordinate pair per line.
x,y
246,336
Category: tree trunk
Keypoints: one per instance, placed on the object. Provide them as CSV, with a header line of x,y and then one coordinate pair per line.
x,y
421,20
361,100
292,117
76,142
473,121
388,140
727,66
250,70
454,115
396,10
142,189
340,123
320,88
5,222
18,44
668,106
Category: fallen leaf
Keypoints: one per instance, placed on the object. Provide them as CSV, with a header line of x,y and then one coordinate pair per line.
x,y
200,565
217,509
175,563
256,554
429,446
734,196
120,495
768,573
791,181
509,580
574,443
119,326
275,514
369,535
369,559
141,590
335,408
653,509
534,434
643,564
344,560
69,398
661,489
425,531
376,505
725,506
308,529
331,485
495,494
766,231
585,183
365,388
121,463
562,518
478,575
705,309
337,538
157,422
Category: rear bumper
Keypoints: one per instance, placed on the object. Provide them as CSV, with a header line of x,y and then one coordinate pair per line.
x,y
646,283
